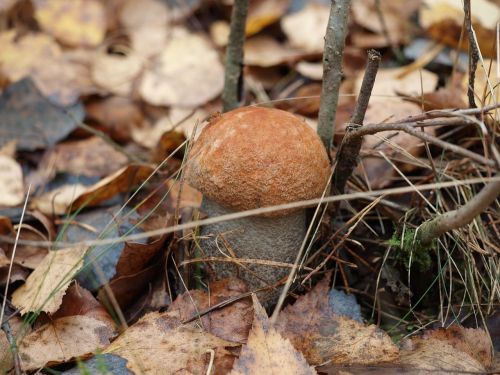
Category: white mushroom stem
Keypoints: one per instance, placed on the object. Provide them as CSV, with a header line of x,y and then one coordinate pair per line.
x,y
276,239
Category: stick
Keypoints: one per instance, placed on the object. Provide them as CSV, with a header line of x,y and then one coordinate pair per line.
x,y
347,156
473,54
332,69
455,219
233,78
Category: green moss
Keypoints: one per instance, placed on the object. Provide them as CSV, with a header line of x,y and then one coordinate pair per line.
x,y
410,250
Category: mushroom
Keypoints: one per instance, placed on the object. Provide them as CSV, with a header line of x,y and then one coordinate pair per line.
x,y
249,158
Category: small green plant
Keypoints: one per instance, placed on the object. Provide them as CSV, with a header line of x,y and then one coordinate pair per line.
x,y
411,250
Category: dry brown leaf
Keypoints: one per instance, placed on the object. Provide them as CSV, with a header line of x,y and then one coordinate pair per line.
x,y
58,201
11,182
306,28
443,20
79,301
160,344
89,157
27,255
63,340
262,13
437,356
45,287
265,51
75,23
230,323
146,23
187,73
396,14
487,84
267,352
38,56
181,120
219,32
321,335
115,72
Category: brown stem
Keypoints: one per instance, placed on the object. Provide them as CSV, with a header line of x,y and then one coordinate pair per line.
x,y
348,153
455,219
233,79
473,54
332,69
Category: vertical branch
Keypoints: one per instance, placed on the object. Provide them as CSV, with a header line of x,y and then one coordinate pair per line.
x,y
347,155
332,69
233,79
473,53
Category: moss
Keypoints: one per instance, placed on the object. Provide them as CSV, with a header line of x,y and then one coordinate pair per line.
x,y
411,250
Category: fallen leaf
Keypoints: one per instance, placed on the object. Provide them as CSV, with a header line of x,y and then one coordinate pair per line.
x,y
45,287
230,323
487,84
27,255
219,32
75,23
160,344
267,352
146,22
443,20
396,16
79,301
116,72
266,51
11,186
39,57
89,157
118,116
31,119
19,329
262,13
17,273
187,73
322,335
57,201
306,28
438,356
63,340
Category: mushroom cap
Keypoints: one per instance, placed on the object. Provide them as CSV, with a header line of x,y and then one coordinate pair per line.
x,y
255,157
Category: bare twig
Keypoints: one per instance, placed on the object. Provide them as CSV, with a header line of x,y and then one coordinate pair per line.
x,y
233,79
248,213
473,54
410,128
455,219
347,155
332,69
13,346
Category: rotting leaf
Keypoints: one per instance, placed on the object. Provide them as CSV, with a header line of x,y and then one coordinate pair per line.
x,y
305,29
321,335
232,322
88,157
63,340
267,352
265,51
160,344
31,119
45,287
75,23
262,13
187,73
11,182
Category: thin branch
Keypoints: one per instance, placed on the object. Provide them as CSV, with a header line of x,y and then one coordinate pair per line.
x,y
473,54
233,79
455,219
13,346
348,153
332,69
410,128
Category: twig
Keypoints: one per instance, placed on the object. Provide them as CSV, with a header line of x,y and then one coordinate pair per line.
x,y
347,155
473,54
248,213
332,69
12,345
410,128
455,219
233,79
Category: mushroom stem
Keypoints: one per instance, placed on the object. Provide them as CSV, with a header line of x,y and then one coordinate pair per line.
x,y
275,239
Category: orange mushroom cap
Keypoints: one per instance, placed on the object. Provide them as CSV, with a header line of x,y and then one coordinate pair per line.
x,y
256,157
